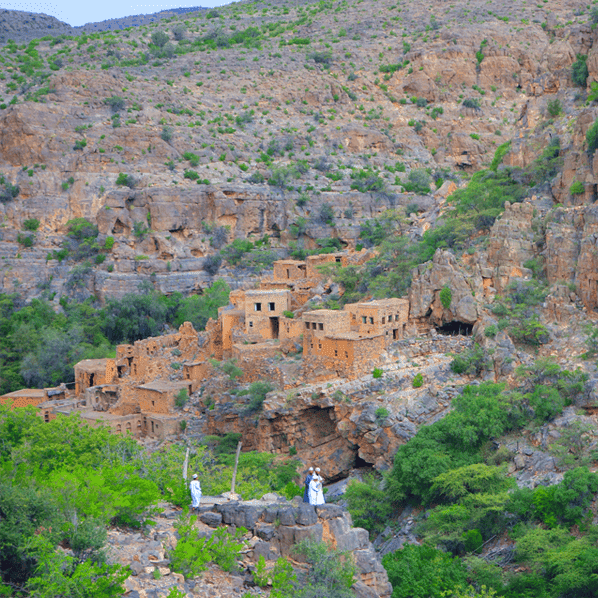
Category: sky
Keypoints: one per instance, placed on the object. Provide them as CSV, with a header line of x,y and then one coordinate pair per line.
x,y
79,12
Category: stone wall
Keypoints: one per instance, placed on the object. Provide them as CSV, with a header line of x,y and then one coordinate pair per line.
x,y
341,356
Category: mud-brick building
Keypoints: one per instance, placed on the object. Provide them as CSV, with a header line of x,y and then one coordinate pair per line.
x,y
383,316
344,355
263,311
289,270
324,322
93,372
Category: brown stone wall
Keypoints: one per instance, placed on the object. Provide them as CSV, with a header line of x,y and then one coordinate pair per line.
x,y
324,322
313,261
256,362
231,320
23,399
111,371
342,356
291,329
154,401
88,373
195,372
288,270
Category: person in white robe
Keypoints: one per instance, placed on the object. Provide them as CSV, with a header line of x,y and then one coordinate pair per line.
x,y
195,492
320,493
316,494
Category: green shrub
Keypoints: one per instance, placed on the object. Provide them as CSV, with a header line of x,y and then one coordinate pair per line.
x,y
116,103
479,413
166,134
490,331
181,397
471,103
446,296
577,188
579,70
418,181
331,573
193,553
368,504
418,380
555,107
126,180
257,394
592,137
423,572
109,243
159,38
32,224
471,362
381,414
377,373
25,240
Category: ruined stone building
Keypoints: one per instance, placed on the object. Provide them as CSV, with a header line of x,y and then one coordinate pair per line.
x,y
136,392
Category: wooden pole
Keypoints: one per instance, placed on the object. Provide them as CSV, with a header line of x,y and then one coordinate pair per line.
x,y
232,490
186,464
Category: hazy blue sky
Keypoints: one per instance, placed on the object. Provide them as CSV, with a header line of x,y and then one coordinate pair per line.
x,y
79,12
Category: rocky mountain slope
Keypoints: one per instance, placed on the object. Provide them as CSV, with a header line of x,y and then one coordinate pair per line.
x,y
259,118
22,26
207,146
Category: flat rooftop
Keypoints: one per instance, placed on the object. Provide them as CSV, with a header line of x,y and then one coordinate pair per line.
x,y
265,292
37,393
91,364
352,336
163,386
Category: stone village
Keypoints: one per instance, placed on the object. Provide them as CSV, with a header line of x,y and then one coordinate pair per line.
x,y
135,392
332,351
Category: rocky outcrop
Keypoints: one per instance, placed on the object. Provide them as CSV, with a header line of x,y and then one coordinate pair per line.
x,y
274,526
571,251
428,281
511,245
343,424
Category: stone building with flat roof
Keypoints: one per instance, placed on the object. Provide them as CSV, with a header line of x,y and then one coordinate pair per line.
x,y
263,311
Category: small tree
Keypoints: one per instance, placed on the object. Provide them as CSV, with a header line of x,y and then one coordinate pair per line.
x,y
326,214
166,134
579,71
178,31
159,38
592,137
257,393
116,103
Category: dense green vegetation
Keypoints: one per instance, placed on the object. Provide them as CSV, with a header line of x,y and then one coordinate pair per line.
x,y
456,468
39,345
63,482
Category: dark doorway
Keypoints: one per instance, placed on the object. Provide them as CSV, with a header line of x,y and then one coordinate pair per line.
x,y
91,380
274,327
455,328
395,334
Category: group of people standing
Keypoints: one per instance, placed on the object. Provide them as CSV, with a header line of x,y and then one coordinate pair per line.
x,y
314,492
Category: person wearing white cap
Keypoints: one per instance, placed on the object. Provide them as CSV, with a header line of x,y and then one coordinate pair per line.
x,y
195,492
310,474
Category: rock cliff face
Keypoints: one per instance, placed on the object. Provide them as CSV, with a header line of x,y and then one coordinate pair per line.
x,y
341,425
274,526
180,124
